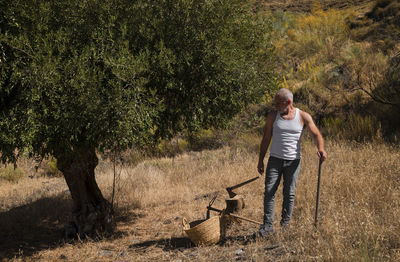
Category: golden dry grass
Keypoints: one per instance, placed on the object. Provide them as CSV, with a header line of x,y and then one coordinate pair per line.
x,y
359,209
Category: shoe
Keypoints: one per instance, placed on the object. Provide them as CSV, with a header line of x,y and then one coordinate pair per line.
x,y
265,230
284,226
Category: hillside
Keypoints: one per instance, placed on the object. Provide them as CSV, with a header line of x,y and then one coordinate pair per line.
x,y
306,5
341,64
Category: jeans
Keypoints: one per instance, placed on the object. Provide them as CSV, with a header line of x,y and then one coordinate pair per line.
x,y
277,168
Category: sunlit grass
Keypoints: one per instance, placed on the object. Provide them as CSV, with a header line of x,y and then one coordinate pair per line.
x,y
359,206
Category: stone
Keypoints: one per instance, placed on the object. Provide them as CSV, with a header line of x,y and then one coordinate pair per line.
x,y
105,253
239,251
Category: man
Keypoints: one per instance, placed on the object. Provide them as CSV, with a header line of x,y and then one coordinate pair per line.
x,y
285,127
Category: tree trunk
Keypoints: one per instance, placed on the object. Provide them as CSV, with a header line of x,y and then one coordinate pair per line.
x,y
91,213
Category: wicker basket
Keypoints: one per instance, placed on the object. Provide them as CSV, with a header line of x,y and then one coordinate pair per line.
x,y
203,232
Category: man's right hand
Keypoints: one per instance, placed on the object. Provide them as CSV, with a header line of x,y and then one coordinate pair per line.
x,y
260,167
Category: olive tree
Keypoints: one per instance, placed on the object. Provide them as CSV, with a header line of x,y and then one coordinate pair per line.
x,y
82,77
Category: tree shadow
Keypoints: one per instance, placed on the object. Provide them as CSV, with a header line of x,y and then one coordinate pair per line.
x,y
167,244
243,240
30,228
182,243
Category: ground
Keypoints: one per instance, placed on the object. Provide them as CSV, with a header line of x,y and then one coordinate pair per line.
x,y
359,197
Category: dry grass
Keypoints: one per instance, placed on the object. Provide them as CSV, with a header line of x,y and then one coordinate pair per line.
x,y
359,210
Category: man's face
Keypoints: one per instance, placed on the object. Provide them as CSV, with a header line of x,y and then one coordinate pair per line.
x,y
281,105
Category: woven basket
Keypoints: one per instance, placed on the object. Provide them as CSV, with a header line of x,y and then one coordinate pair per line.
x,y
203,232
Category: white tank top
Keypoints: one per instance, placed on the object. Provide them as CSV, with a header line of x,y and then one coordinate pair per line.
x,y
286,136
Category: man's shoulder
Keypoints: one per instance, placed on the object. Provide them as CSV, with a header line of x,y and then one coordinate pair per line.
x,y
271,115
304,114
305,117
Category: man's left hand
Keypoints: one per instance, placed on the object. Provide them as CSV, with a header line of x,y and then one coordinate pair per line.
x,y
322,155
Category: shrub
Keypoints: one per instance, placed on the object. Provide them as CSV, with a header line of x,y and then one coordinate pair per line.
x,y
309,33
387,93
172,147
11,174
355,127
205,139
308,52
50,168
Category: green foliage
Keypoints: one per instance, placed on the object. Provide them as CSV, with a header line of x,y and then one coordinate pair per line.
x,y
211,66
11,174
50,168
72,95
111,75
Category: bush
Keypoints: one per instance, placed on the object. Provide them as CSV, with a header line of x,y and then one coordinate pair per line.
x,y
387,93
172,147
206,139
50,168
308,35
355,127
11,174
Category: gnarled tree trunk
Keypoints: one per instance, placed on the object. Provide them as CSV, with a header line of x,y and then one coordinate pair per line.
x,y
91,213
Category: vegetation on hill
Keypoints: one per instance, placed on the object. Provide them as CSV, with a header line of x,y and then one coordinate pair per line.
x,y
332,61
381,28
306,6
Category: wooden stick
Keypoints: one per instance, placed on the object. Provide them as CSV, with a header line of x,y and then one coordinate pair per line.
x,y
236,216
317,201
244,218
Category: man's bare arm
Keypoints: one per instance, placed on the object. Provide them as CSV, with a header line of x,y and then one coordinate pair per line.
x,y
315,133
266,140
